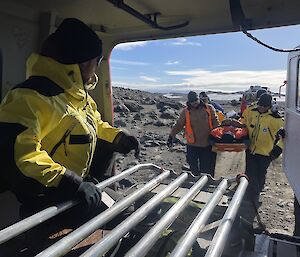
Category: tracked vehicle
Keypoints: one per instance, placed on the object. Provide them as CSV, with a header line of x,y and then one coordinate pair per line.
x,y
213,227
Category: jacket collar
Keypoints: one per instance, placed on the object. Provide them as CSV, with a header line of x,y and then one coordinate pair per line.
x,y
265,113
67,77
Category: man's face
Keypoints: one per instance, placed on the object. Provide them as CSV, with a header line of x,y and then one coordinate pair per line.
x,y
195,103
263,109
88,69
204,100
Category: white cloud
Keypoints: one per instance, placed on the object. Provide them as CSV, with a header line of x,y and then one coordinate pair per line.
x,y
172,62
185,42
146,78
129,62
230,80
148,86
203,80
130,45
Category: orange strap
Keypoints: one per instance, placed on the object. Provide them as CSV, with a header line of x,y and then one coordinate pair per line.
x,y
189,135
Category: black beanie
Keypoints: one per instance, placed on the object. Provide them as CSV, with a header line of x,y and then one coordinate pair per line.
x,y
265,100
192,96
73,42
260,92
203,95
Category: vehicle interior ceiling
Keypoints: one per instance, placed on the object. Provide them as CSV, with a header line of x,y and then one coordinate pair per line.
x,y
133,20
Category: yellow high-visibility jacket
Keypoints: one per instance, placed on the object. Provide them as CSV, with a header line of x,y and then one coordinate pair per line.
x,y
262,130
50,124
246,112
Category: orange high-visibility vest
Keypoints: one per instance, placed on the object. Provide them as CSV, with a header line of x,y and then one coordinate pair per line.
x,y
189,134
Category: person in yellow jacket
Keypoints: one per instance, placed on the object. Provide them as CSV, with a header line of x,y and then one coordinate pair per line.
x,y
253,105
265,132
198,119
53,139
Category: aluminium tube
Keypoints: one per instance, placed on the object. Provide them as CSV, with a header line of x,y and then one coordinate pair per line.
x,y
146,243
101,247
64,245
188,239
218,243
38,218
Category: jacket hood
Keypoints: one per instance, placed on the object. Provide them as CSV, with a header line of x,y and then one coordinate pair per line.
x,y
67,76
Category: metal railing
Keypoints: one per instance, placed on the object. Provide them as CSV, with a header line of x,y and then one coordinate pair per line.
x,y
218,243
188,239
146,243
38,218
148,240
64,245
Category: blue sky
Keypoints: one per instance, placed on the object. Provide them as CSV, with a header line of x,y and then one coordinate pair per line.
x,y
223,62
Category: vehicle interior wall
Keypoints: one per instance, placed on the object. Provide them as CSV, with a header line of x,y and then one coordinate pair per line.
x,y
292,123
18,39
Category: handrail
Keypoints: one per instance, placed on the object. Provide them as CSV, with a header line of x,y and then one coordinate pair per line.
x,y
38,218
106,243
188,239
218,243
64,245
146,243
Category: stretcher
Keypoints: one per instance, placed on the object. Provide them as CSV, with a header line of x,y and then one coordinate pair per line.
x,y
233,147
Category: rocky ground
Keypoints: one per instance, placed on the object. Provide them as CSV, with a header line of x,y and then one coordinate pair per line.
x,y
150,117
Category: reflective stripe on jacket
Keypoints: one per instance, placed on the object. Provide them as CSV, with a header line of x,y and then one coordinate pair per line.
x,y
50,124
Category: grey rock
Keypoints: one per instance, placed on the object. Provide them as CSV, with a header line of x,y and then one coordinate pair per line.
x,y
137,116
121,108
174,105
169,114
119,123
133,107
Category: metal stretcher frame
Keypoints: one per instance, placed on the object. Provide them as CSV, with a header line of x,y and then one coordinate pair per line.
x,y
65,245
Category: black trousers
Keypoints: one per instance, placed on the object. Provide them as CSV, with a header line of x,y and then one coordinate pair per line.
x,y
297,217
201,159
256,170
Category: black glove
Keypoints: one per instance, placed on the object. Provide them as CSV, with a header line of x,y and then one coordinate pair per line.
x,y
281,133
276,152
89,195
170,142
128,143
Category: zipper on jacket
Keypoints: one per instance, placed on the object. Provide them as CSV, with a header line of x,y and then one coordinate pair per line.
x,y
273,139
255,133
62,141
92,128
